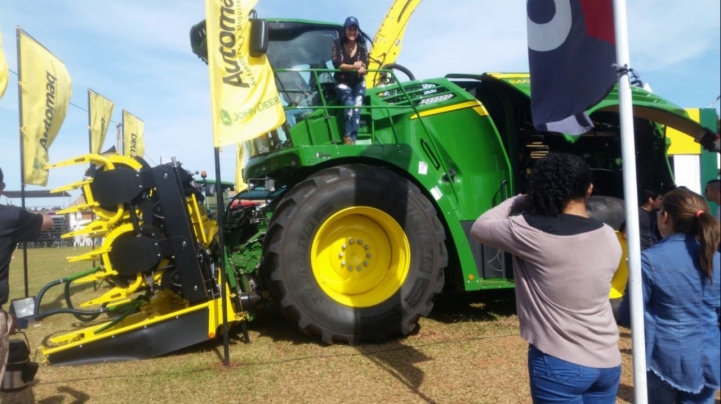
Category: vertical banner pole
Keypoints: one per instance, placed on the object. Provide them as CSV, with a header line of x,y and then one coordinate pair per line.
x,y
220,219
630,189
22,155
90,150
90,122
121,134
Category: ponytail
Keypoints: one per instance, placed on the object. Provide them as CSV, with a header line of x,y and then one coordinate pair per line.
x,y
689,213
709,235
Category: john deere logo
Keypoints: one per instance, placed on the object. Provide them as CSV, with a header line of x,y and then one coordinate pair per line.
x,y
225,118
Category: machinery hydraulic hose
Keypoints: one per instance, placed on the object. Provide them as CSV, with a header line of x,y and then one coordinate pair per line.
x,y
90,316
131,307
38,300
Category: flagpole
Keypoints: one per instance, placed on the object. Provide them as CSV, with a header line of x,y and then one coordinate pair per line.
x,y
90,123
220,218
630,188
118,138
121,133
90,150
22,156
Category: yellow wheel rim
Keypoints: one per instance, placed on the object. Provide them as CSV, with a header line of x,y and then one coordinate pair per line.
x,y
360,256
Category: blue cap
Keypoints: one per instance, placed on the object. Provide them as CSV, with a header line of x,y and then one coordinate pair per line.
x,y
351,21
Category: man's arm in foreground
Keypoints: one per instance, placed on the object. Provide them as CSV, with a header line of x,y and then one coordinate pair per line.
x,y
47,222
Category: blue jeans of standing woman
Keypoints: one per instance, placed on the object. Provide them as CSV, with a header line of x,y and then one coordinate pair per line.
x,y
351,96
554,380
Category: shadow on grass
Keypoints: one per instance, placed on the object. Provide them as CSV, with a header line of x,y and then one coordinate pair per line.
x,y
76,397
487,305
65,395
400,361
272,324
59,300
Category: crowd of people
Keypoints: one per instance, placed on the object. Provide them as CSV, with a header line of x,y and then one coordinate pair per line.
x,y
563,265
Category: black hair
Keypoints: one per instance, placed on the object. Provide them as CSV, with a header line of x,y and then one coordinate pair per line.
x,y
715,182
556,180
363,38
1,175
647,194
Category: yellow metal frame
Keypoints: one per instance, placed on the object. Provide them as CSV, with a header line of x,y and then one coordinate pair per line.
x,y
389,38
476,105
164,305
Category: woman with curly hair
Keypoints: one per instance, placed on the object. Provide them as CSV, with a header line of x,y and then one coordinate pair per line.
x,y
681,294
563,263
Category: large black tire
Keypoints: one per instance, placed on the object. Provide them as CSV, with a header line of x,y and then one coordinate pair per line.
x,y
607,209
296,224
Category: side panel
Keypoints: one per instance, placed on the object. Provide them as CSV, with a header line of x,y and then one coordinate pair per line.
x,y
492,262
470,146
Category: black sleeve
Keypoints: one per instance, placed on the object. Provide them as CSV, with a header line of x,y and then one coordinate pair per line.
x,y
27,228
336,54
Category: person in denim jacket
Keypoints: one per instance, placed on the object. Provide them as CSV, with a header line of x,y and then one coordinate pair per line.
x,y
682,294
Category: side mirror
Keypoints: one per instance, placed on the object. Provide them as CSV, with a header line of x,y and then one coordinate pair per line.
x,y
209,190
258,37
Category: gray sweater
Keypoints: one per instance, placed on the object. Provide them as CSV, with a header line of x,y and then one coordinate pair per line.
x,y
562,285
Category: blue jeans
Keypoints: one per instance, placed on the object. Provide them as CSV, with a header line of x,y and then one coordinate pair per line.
x,y
554,380
351,96
660,392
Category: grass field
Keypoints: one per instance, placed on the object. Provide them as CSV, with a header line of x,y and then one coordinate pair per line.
x,y
467,351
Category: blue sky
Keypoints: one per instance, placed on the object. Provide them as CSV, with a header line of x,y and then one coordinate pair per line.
x,y
137,53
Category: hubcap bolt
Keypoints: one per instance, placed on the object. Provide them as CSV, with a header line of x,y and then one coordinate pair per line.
x,y
369,255
358,268
365,263
340,255
350,241
342,263
360,242
344,246
367,247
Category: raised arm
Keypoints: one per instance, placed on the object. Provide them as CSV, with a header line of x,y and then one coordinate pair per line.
x,y
494,228
28,225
